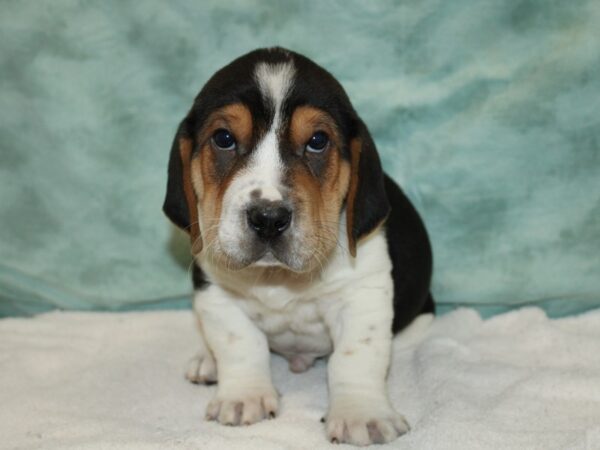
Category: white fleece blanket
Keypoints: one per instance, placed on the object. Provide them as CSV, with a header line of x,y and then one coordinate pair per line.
x,y
99,380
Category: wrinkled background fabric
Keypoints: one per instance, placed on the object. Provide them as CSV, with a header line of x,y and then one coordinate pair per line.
x,y
487,113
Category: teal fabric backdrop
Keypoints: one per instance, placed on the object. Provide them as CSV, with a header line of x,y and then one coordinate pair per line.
x,y
488,113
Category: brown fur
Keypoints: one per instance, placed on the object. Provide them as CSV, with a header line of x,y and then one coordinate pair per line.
x,y
210,183
320,199
185,150
306,120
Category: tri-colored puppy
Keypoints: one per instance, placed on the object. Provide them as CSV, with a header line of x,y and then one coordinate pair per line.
x,y
302,244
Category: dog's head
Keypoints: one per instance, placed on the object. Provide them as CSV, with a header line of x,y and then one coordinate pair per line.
x,y
267,160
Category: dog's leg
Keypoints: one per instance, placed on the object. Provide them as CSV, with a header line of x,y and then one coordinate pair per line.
x,y
360,411
245,393
202,368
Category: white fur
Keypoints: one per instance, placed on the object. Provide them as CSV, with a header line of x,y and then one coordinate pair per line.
x,y
275,81
346,309
265,167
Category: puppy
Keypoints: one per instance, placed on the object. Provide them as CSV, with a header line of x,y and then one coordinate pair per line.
x,y
302,244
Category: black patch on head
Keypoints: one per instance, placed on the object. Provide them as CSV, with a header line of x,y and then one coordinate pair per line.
x,y
236,83
314,86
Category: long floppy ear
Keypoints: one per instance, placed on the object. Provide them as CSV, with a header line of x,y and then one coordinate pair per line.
x,y
181,204
367,205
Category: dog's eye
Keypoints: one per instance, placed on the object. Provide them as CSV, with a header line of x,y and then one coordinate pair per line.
x,y
318,142
224,140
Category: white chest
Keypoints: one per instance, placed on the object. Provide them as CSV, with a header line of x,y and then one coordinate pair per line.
x,y
296,328
296,315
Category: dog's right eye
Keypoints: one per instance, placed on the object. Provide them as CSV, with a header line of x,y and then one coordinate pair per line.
x,y
224,140
317,142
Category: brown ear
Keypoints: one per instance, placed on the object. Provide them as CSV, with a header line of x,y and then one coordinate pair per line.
x,y
180,201
185,150
367,205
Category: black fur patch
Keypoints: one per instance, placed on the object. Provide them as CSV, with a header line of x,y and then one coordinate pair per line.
x,y
410,252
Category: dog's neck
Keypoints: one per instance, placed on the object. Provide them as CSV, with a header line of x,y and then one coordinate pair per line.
x,y
277,287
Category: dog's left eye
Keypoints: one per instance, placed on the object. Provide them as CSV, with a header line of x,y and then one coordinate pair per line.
x,y
224,140
318,142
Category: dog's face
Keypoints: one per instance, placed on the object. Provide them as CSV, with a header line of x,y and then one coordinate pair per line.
x,y
266,161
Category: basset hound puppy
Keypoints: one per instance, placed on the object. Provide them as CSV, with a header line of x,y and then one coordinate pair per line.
x,y
302,245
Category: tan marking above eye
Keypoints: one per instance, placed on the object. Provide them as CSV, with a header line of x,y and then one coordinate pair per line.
x,y
235,118
307,120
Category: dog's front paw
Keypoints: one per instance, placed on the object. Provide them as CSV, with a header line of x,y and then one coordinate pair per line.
x,y
243,409
362,425
202,369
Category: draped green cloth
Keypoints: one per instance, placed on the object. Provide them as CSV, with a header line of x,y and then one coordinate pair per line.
x,y
487,113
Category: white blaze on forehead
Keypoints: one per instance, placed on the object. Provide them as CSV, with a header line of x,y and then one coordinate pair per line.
x,y
274,81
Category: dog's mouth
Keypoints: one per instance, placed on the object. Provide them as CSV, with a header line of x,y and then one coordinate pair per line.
x,y
274,254
267,255
269,259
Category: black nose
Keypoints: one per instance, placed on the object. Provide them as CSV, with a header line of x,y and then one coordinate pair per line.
x,y
269,220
